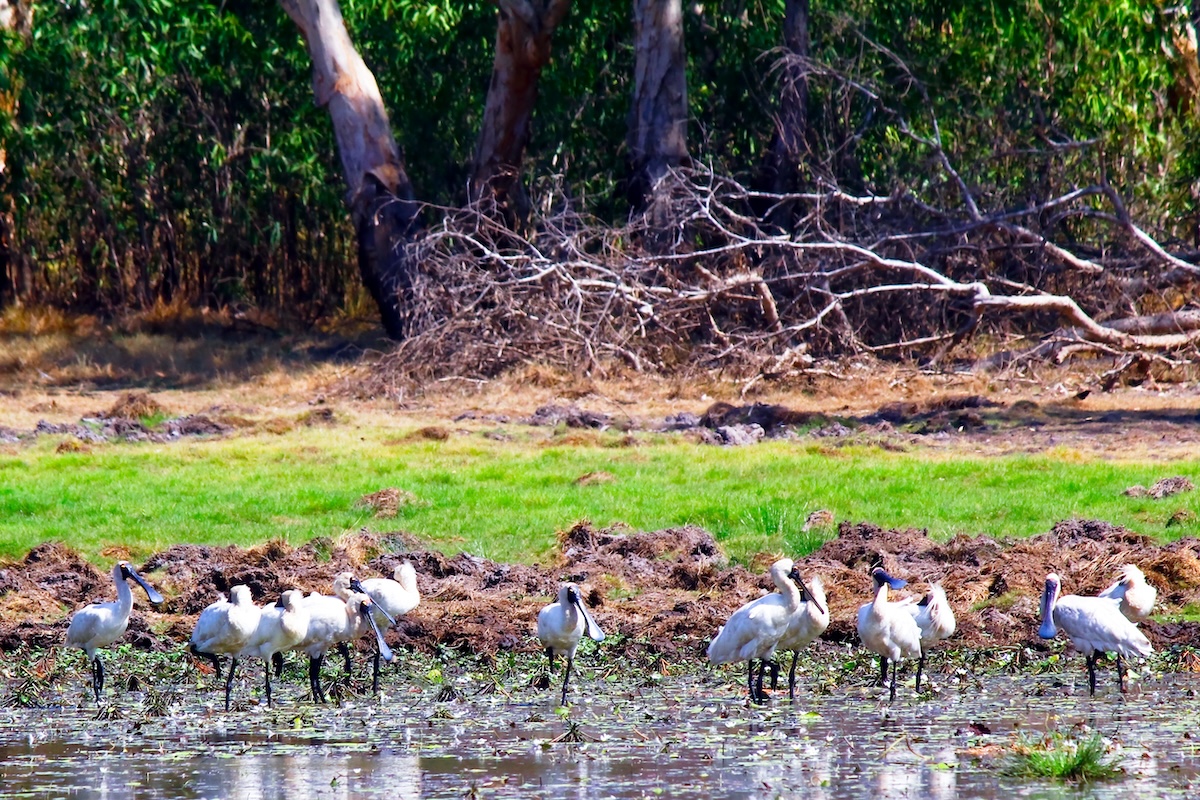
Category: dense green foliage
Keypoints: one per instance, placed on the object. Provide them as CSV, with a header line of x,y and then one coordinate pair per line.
x,y
506,500
168,151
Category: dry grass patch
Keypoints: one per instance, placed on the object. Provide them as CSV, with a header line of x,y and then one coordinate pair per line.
x,y
387,502
134,405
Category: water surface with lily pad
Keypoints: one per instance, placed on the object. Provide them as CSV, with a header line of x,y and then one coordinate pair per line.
x,y
622,738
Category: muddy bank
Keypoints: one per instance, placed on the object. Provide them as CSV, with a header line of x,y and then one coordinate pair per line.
x,y
665,592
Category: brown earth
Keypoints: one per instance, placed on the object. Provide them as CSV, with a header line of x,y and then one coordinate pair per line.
x,y
665,591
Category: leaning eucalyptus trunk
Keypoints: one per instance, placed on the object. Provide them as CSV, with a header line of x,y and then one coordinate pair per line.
x,y
380,195
523,32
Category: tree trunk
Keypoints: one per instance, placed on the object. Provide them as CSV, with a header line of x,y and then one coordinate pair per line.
x,y
523,32
658,119
15,16
789,146
380,195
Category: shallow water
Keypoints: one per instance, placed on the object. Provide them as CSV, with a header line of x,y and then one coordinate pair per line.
x,y
690,738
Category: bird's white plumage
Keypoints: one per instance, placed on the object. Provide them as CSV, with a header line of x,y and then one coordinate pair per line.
x,y
331,621
888,628
100,624
225,626
1136,595
810,620
754,630
280,627
562,624
396,596
1096,625
933,616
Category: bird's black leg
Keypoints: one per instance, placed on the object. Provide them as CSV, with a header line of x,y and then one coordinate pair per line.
x,y
95,678
895,678
215,659
792,676
759,696
99,677
314,678
1121,672
1091,665
375,674
267,674
229,681
344,649
774,675
550,655
883,669
277,663
920,666
567,677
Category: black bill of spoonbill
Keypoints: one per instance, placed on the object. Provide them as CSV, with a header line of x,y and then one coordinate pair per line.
x,y
888,629
810,621
333,622
936,620
753,631
394,597
282,625
223,629
1094,625
560,627
1136,595
100,624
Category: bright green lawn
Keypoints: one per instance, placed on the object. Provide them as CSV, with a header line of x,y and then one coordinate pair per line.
x,y
505,500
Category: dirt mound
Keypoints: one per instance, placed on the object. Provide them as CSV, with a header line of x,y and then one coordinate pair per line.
x,y
133,405
666,591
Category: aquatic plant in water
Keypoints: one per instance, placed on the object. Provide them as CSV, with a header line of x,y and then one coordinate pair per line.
x,y
1063,757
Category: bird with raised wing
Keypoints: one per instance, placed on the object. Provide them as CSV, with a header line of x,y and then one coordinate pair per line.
x,y
753,631
1136,595
223,629
1095,625
560,627
887,628
100,624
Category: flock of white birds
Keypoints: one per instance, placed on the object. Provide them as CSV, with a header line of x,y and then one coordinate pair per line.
x,y
788,619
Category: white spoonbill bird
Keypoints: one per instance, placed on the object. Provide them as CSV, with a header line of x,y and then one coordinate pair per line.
x,y
810,621
1137,597
223,629
281,626
936,620
393,599
100,624
754,630
1094,624
562,624
888,629
333,622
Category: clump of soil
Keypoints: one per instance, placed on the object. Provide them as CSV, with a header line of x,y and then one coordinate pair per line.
x,y
134,405
667,591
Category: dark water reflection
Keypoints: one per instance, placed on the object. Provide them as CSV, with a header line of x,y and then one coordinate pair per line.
x,y
695,739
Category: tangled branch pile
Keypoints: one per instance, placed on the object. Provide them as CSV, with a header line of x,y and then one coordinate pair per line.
x,y
721,289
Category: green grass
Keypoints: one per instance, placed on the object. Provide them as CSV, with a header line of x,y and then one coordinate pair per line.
x,y
1064,758
505,500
